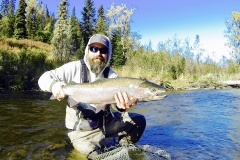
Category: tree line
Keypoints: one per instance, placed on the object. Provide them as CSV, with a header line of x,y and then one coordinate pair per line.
x,y
67,37
66,33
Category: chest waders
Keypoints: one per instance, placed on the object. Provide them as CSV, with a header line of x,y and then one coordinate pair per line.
x,y
92,117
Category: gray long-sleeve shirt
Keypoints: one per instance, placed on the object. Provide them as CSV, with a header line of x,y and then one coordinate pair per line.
x,y
69,73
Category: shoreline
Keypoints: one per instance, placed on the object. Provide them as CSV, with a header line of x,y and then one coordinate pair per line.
x,y
169,87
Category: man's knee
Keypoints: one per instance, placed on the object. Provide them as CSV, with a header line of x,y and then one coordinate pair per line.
x,y
87,141
138,119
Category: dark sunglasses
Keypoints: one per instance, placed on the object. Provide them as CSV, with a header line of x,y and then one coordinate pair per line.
x,y
96,49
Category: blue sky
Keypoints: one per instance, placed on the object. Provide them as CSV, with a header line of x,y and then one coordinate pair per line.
x,y
159,20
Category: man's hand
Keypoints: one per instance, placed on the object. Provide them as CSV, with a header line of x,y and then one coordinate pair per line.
x,y
57,91
123,101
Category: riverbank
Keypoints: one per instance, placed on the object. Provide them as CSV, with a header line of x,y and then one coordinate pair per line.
x,y
198,85
209,81
22,62
176,85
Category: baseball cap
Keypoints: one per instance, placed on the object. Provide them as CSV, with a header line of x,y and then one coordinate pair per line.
x,y
98,38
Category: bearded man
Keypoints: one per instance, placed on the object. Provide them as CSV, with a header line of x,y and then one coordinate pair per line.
x,y
89,129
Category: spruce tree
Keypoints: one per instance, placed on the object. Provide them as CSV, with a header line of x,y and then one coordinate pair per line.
x,y
101,27
31,22
88,20
41,22
7,22
73,32
12,3
81,49
11,19
3,27
59,41
50,26
46,13
47,33
20,23
4,7
118,57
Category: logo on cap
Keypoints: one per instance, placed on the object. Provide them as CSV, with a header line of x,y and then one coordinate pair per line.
x,y
105,41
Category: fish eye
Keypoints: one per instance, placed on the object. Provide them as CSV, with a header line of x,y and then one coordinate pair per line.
x,y
153,90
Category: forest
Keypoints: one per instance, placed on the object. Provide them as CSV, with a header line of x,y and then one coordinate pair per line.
x,y
34,40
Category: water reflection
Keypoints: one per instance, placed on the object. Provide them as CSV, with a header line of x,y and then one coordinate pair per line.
x,y
202,124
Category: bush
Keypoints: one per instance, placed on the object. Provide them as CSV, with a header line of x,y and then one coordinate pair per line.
x,y
22,70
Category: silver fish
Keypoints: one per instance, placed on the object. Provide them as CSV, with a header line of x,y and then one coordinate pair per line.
x,y
102,91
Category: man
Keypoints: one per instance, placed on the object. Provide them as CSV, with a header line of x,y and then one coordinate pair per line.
x,y
89,130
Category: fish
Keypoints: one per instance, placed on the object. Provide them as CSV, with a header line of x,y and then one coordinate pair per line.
x,y
102,91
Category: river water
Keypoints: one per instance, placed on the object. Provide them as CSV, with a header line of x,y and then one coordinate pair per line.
x,y
199,124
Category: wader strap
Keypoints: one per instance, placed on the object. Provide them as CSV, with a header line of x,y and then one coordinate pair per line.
x,y
76,124
84,75
105,72
104,124
84,78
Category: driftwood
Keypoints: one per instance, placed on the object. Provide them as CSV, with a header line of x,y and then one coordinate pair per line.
x,y
232,83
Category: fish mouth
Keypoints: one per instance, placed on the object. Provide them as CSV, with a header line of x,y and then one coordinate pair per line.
x,y
158,95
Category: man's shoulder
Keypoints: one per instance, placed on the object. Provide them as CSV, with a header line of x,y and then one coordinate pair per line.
x,y
73,63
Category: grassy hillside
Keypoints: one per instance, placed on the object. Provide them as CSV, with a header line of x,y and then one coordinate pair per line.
x,y
22,62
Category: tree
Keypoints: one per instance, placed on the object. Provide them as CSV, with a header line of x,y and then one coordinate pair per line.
x,y
189,56
197,49
59,40
7,22
81,50
41,22
233,35
148,47
31,21
20,23
88,20
3,27
101,27
176,46
118,57
120,17
172,46
187,51
46,34
46,13
74,33
11,18
4,7
161,46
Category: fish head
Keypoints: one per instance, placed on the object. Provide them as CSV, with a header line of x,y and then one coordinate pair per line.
x,y
149,91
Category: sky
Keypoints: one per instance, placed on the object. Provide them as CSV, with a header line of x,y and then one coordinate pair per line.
x,y
160,20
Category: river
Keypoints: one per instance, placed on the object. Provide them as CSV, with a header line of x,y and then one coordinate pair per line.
x,y
199,124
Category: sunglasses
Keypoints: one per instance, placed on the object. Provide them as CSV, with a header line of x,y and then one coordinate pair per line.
x,y
96,49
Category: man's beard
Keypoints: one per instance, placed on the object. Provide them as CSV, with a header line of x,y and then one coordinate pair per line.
x,y
97,64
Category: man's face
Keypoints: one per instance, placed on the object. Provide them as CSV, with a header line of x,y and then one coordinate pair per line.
x,y
97,57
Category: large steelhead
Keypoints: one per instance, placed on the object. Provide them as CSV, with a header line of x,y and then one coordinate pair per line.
x,y
102,91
